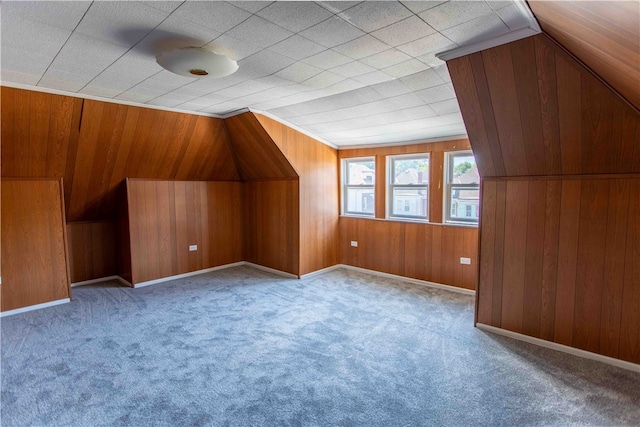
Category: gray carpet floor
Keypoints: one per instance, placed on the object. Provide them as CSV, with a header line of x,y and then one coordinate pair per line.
x,y
244,347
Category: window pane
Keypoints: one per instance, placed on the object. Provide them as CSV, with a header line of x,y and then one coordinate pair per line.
x,y
411,171
464,170
361,172
464,204
409,202
360,200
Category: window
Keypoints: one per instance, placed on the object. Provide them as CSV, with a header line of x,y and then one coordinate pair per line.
x,y
409,186
462,188
358,188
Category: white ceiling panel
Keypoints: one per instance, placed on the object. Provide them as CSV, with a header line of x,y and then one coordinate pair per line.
x,y
353,72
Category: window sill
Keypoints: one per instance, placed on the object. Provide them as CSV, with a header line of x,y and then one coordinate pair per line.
x,y
440,224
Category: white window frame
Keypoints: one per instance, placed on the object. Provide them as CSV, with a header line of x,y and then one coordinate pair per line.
x,y
391,186
344,170
449,187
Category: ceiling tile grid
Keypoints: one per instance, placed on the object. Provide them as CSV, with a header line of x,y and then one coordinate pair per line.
x,y
348,72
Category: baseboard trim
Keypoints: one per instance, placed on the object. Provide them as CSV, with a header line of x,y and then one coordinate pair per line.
x,y
410,280
34,307
321,271
183,275
560,347
270,270
98,280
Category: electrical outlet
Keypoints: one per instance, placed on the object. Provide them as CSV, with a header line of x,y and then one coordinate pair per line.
x,y
466,261
193,248
354,243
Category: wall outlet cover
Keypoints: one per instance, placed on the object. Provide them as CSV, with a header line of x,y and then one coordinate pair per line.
x,y
354,243
193,248
466,261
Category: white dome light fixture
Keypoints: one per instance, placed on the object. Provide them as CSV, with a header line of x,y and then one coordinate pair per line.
x,y
197,62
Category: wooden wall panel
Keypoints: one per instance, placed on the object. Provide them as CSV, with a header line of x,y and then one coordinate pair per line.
x,y
533,108
272,224
421,251
92,250
570,271
166,217
34,250
605,35
317,165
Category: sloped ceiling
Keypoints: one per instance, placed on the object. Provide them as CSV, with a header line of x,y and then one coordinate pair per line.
x,y
605,35
347,72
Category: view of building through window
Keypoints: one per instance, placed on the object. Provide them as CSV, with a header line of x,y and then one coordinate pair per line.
x,y
359,181
409,186
462,187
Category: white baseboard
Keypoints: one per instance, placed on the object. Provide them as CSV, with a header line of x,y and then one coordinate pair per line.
x,y
34,307
322,271
92,281
180,276
270,270
560,347
409,279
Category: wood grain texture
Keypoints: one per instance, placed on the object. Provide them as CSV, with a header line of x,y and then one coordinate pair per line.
x,y
605,35
166,217
421,251
570,261
272,224
92,250
317,166
34,253
535,110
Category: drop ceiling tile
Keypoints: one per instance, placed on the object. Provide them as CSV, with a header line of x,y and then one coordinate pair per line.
x,y
337,6
422,80
370,16
454,13
361,47
346,85
433,43
163,5
513,17
352,69
385,59
298,72
391,88
332,32
176,32
480,28
445,107
436,94
251,6
242,89
87,54
259,32
263,63
294,16
111,82
430,59
297,47
373,78
443,72
62,80
63,15
405,68
19,34
136,64
499,4
19,77
218,16
100,91
232,47
123,23
403,115
421,6
324,79
167,101
168,78
405,31
327,59
16,61
273,81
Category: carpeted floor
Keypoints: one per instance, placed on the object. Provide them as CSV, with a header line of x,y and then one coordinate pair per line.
x,y
244,347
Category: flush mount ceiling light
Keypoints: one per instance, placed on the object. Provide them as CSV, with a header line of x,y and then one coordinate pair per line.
x,y
197,62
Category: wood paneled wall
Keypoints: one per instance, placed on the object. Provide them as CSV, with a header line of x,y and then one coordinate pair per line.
x,y
272,224
559,153
531,109
92,250
317,165
425,251
605,35
428,252
166,217
94,145
561,261
34,250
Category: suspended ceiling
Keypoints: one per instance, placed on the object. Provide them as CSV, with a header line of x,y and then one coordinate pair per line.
x,y
349,73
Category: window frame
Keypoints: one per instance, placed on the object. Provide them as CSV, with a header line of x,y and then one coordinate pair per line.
x,y
391,187
449,187
346,186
